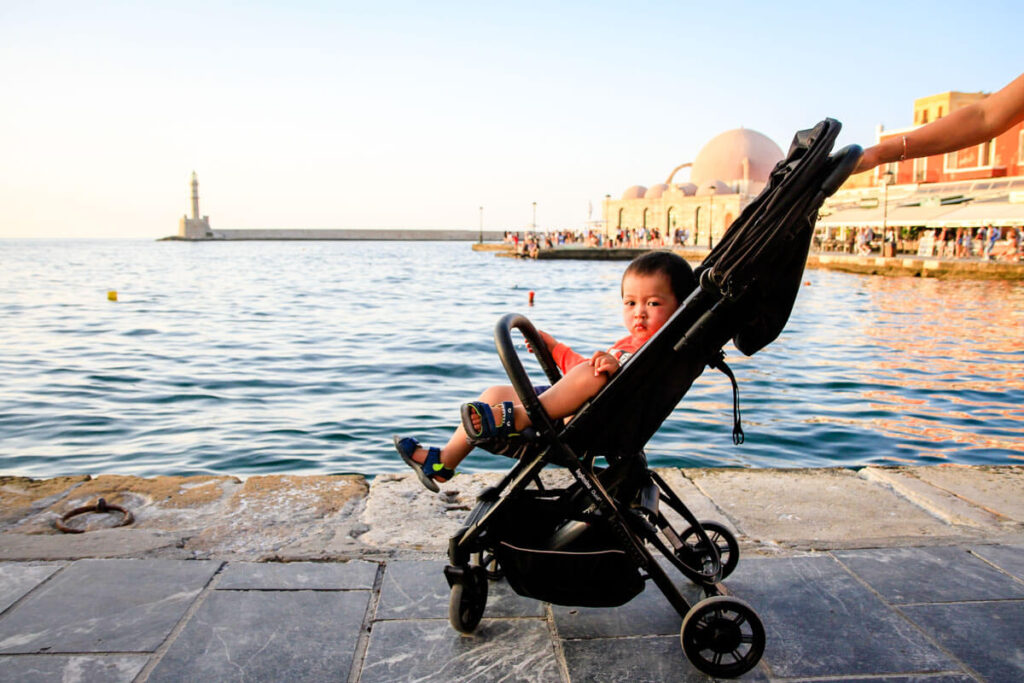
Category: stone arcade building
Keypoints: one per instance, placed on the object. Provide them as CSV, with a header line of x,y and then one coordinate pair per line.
x,y
727,174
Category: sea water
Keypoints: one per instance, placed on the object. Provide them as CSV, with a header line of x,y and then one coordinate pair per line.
x,y
305,357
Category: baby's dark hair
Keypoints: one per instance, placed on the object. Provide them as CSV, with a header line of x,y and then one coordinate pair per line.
x,y
674,267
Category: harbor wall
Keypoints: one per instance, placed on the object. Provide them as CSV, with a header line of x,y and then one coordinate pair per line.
x,y
347,234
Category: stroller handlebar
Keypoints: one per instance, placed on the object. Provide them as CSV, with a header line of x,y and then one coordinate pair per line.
x,y
843,162
514,366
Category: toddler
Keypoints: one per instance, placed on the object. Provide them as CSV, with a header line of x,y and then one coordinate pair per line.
x,y
653,286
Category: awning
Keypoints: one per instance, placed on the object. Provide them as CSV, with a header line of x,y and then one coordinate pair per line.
x,y
979,214
970,215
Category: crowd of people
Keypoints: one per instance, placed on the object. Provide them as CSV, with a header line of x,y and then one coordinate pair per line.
x,y
990,243
530,243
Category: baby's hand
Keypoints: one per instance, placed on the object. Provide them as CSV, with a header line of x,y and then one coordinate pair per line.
x,y
548,340
602,361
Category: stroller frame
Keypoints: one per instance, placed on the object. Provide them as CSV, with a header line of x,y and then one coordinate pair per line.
x,y
617,509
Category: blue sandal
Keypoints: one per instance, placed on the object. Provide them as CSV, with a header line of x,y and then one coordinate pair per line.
x,y
430,469
490,436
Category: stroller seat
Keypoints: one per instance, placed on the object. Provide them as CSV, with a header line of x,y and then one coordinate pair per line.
x,y
591,543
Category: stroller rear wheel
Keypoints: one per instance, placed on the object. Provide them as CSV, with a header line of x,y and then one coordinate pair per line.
x,y
696,554
722,636
468,600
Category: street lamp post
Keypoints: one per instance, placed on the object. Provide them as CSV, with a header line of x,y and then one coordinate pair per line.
x,y
711,225
481,225
886,179
533,226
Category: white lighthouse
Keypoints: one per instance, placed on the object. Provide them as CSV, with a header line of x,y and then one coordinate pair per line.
x,y
195,228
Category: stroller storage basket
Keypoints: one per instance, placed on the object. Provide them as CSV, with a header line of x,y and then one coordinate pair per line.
x,y
575,578
589,571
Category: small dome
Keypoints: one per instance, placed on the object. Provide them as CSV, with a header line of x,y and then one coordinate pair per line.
x,y
726,155
635,192
655,191
688,189
714,187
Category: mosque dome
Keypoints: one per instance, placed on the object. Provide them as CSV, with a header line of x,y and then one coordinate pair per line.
x,y
735,156
688,189
655,191
714,187
635,192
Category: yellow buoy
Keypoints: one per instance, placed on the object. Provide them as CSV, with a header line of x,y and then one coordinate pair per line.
x,y
111,295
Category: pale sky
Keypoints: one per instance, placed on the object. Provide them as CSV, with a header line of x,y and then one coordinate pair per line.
x,y
306,114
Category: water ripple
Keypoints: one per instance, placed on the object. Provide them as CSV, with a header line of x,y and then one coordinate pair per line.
x,y
254,358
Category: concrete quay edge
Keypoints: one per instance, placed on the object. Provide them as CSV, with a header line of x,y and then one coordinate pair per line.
x,y
902,265
773,512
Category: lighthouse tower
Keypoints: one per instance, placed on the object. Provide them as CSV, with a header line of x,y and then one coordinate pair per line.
x,y
195,228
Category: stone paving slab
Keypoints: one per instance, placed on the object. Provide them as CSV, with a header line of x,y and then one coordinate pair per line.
x,y
657,659
355,574
649,613
104,543
827,509
1008,558
987,636
18,579
622,660
820,620
419,590
937,501
912,678
105,606
997,489
268,636
503,650
47,668
946,574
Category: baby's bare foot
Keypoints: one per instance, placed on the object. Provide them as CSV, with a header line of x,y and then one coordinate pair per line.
x,y
496,411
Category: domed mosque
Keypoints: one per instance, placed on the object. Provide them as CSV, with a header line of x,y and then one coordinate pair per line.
x,y
728,172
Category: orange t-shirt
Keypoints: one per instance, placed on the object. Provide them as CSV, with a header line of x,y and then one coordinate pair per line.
x,y
566,358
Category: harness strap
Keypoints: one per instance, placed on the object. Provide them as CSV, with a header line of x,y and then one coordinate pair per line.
x,y
737,428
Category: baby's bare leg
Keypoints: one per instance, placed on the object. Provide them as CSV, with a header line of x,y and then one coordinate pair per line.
x,y
456,450
560,400
567,394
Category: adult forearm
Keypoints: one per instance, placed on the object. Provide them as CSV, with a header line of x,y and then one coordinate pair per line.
x,y
972,125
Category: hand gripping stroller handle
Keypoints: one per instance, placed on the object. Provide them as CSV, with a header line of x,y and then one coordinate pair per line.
x,y
843,162
514,367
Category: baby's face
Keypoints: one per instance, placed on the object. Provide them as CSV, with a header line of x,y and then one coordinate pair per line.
x,y
647,303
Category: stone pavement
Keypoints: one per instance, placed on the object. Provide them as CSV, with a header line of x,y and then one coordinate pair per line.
x,y
892,574
938,613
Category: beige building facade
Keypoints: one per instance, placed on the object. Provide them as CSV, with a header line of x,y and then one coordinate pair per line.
x,y
726,176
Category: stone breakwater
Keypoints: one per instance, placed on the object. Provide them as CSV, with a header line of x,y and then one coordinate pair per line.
x,y
321,518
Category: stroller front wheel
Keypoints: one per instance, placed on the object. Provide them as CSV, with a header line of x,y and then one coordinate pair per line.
x,y
722,636
468,600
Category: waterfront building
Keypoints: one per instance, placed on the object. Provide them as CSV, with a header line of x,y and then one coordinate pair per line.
x,y
917,202
726,175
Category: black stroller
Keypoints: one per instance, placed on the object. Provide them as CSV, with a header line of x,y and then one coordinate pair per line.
x,y
590,544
